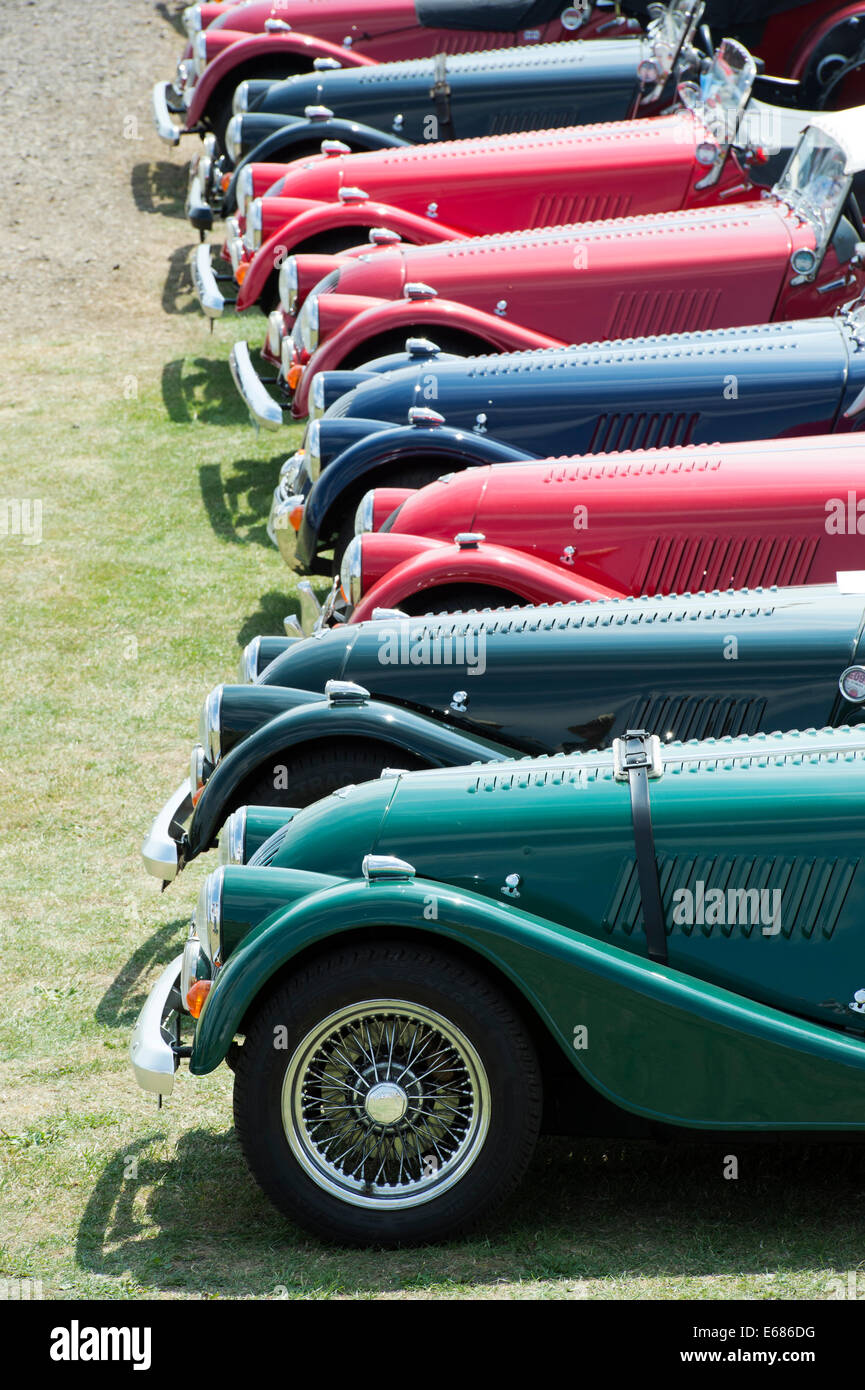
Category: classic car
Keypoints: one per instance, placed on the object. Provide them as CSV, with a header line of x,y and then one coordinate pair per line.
x,y
766,381
437,691
422,973
274,38
503,183
442,98
793,254
658,521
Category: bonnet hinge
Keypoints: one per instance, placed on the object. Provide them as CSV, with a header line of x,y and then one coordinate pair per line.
x,y
441,96
636,758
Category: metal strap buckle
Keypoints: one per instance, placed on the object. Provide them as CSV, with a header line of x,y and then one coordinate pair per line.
x,y
637,749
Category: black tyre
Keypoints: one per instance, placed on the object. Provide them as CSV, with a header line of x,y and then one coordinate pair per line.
x,y
315,772
344,1125
459,598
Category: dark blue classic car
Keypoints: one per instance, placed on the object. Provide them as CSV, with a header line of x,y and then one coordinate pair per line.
x,y
392,425
402,103
443,690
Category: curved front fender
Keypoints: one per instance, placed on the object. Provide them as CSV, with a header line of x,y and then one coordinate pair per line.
x,y
423,736
514,571
228,65
650,1039
369,459
416,318
283,145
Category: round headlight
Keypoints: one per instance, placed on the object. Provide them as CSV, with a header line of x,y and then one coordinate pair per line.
x,y
240,100
288,285
289,471
312,446
350,571
210,726
232,840
274,332
192,20
233,139
648,72
199,53
363,517
207,919
249,662
196,768
243,189
254,220
317,405
308,325
852,684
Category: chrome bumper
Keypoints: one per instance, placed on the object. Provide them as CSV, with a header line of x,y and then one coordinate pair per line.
x,y
151,1047
160,850
165,127
279,527
204,282
198,210
261,406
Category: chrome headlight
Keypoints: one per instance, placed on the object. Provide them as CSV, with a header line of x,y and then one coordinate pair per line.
x,y
307,325
249,662
312,448
210,726
363,517
274,332
233,139
199,53
350,571
196,768
240,100
289,471
192,20
316,398
243,189
232,840
207,919
254,222
288,285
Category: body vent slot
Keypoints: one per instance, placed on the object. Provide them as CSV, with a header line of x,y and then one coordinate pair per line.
x,y
266,853
558,210
640,312
688,716
646,430
679,565
813,892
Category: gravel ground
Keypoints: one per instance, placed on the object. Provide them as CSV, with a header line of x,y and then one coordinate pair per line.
x,y
85,234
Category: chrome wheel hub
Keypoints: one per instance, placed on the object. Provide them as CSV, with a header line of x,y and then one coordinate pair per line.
x,y
385,1104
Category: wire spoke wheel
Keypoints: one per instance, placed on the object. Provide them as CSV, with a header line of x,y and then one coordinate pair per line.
x,y
385,1104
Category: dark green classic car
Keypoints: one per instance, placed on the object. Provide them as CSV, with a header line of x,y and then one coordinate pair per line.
x,y
437,691
421,974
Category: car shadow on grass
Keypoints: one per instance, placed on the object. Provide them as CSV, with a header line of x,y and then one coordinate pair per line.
x,y
159,187
172,17
178,296
237,499
620,1213
121,1003
201,388
267,618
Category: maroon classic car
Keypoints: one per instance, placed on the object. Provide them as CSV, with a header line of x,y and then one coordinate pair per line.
x,y
431,193
642,522
795,253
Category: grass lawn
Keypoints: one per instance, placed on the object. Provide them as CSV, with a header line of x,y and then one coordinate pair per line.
x,y
152,571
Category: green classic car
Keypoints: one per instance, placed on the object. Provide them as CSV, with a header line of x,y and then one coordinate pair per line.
x,y
416,976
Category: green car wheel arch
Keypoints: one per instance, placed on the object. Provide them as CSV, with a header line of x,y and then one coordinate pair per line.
x,y
697,1055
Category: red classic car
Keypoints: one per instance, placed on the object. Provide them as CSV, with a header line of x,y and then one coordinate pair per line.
x,y
274,38
793,254
641,522
431,193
